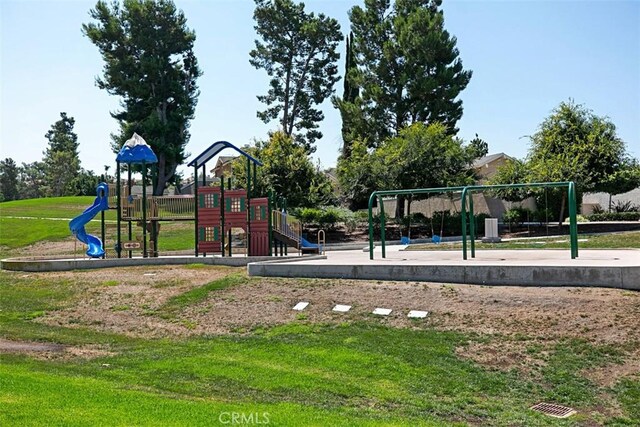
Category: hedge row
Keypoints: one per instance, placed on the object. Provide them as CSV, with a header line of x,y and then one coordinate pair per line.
x,y
614,216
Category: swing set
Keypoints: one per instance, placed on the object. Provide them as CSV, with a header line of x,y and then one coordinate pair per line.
x,y
467,215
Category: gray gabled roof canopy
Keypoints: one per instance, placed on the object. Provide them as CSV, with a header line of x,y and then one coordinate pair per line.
x,y
217,147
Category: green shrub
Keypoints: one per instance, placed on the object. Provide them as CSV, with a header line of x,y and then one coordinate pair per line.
x,y
615,216
361,217
621,207
308,215
329,217
517,215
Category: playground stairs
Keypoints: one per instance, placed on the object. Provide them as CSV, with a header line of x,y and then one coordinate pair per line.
x,y
288,230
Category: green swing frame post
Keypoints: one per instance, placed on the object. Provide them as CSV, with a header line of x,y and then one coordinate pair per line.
x,y
468,191
380,194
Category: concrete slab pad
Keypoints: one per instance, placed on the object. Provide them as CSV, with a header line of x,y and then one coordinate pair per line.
x,y
417,314
341,308
300,306
382,311
550,267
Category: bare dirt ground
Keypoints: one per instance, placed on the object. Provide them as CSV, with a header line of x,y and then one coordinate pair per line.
x,y
52,351
507,320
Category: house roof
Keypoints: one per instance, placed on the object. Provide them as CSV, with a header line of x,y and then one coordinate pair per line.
x,y
225,159
488,159
217,147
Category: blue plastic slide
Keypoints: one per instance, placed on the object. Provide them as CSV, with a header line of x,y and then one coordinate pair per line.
x,y
94,244
304,243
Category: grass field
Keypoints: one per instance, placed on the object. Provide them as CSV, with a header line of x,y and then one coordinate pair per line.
x,y
357,372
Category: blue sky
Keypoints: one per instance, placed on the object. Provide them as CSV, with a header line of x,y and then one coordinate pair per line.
x,y
526,57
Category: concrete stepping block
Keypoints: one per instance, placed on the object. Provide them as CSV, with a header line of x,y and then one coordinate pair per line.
x,y
382,311
341,308
417,314
300,306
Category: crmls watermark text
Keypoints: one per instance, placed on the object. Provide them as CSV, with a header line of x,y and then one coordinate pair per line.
x,y
243,418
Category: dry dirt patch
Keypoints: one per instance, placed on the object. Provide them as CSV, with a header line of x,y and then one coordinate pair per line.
x,y
126,299
541,315
42,350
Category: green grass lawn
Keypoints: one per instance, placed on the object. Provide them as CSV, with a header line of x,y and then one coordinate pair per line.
x,y
626,240
354,373
51,207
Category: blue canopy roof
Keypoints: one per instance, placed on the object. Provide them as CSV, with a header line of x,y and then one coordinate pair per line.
x,y
136,150
217,147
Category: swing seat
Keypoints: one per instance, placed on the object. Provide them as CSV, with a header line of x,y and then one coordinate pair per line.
x,y
436,239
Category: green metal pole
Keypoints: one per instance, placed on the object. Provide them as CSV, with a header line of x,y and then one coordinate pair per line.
x,y
248,207
383,225
195,193
371,199
573,224
472,226
255,176
102,230
204,184
144,209
270,222
129,223
463,214
119,213
222,238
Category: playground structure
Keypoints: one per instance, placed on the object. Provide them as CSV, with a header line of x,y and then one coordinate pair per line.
x,y
467,216
266,224
215,210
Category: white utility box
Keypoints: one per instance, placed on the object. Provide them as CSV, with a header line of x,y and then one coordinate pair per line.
x,y
491,231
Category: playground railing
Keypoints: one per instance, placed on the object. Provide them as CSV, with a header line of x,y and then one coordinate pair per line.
x,y
160,208
286,225
113,194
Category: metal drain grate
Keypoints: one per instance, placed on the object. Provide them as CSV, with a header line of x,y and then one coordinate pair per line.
x,y
553,410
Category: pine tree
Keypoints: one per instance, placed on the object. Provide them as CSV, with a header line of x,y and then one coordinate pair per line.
x,y
149,62
61,162
409,68
298,50
349,99
8,180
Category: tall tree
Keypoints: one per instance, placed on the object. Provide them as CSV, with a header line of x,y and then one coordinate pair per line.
x,y
480,147
8,180
574,144
359,174
422,156
298,50
31,180
149,62
61,136
409,69
625,179
61,162
288,171
350,105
